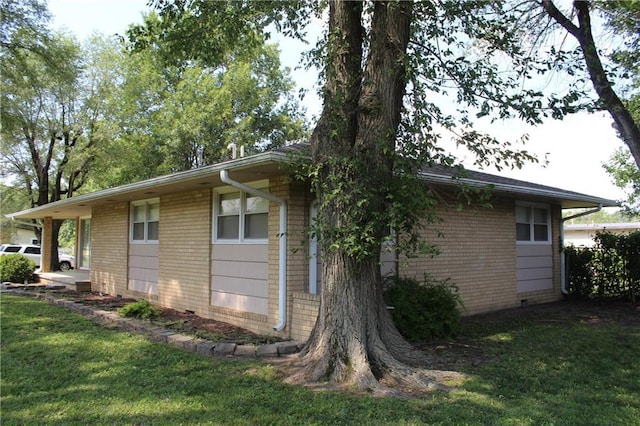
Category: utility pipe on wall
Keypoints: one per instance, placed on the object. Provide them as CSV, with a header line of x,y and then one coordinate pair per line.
x,y
282,265
563,266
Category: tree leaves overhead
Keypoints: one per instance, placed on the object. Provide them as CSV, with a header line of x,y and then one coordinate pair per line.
x,y
194,105
210,31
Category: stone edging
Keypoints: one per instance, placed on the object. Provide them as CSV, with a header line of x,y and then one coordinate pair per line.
x,y
161,335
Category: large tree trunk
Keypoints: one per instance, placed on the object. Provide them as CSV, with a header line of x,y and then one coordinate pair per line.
x,y
354,340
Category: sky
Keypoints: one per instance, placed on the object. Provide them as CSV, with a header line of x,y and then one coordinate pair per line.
x,y
575,148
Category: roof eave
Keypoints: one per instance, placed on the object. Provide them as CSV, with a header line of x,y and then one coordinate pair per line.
x,y
175,178
565,197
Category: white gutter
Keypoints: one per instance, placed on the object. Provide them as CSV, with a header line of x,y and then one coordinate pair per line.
x,y
516,188
282,265
153,183
563,276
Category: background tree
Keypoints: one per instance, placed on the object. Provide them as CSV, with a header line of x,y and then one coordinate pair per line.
x,y
605,60
181,115
623,17
583,33
23,29
51,123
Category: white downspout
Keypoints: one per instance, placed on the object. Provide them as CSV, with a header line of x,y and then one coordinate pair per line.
x,y
563,276
282,265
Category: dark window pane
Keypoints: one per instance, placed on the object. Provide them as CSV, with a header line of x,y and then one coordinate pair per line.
x,y
32,250
523,232
12,249
540,233
255,225
138,231
153,231
228,227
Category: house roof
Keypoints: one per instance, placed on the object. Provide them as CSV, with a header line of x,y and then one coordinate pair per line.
x,y
272,163
518,188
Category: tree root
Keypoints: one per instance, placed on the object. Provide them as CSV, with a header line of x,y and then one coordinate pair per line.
x,y
397,379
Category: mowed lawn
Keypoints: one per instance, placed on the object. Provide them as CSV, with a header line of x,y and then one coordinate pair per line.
x,y
60,368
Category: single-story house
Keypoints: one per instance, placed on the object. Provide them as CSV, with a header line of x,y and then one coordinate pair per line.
x,y
226,241
582,234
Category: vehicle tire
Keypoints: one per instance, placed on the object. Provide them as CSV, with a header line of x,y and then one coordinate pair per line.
x,y
65,266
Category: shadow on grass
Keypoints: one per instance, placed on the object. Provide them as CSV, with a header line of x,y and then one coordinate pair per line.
x,y
563,363
59,368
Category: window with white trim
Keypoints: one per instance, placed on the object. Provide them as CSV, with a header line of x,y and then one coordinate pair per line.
x,y
533,223
240,216
145,221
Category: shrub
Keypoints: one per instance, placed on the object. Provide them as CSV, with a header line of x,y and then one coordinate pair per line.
x,y
140,309
609,270
424,310
16,268
580,273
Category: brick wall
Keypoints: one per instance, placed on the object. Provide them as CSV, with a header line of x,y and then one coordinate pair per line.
x,y
477,253
109,248
184,251
304,314
296,195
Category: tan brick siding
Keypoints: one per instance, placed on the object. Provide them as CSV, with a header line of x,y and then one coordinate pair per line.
x,y
296,196
109,248
478,254
185,241
304,315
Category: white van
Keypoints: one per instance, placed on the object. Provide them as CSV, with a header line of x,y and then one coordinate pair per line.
x,y
33,252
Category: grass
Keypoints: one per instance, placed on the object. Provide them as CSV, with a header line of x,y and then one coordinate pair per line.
x,y
59,368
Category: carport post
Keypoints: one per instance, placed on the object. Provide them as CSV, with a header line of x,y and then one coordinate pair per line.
x,y
45,245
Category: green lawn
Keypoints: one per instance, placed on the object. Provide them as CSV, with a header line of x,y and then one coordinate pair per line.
x,y
59,368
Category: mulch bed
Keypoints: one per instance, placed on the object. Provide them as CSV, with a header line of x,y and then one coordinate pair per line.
x,y
183,322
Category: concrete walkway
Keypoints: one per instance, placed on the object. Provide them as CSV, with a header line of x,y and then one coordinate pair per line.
x,y
161,335
77,279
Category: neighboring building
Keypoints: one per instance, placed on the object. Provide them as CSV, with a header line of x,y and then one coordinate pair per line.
x,y
582,234
19,233
226,242
25,235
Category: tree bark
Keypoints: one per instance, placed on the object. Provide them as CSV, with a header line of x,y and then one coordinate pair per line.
x,y
626,126
354,341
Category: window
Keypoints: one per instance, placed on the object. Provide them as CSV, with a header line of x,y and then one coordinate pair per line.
x,y
32,250
241,216
145,221
533,224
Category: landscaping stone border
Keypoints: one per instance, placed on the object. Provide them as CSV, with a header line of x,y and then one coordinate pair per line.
x,y
158,334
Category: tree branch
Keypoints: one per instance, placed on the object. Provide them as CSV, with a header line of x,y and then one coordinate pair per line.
x,y
560,18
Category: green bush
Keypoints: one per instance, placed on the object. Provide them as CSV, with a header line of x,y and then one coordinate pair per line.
x,y
609,270
16,268
140,309
424,310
